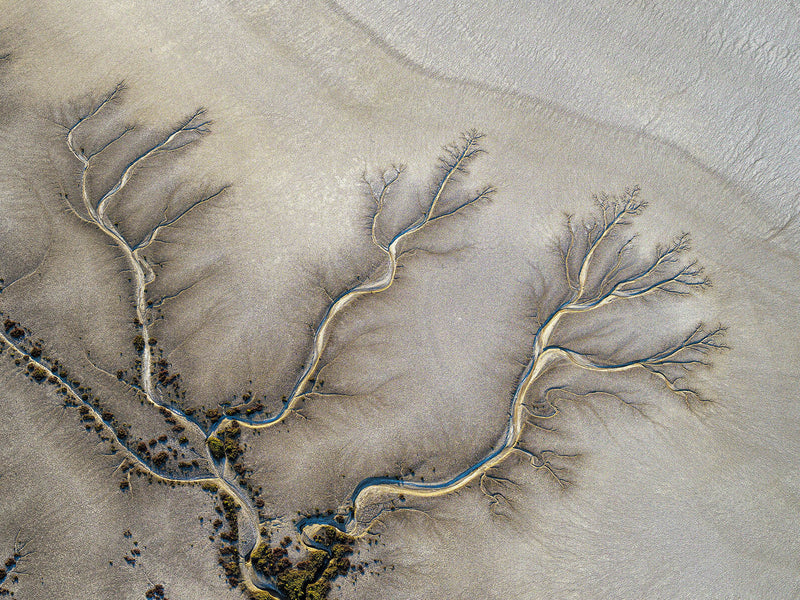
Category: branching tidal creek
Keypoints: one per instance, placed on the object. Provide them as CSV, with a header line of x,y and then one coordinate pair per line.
x,y
601,266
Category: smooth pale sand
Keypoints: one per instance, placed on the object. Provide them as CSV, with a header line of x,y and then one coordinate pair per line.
x,y
304,100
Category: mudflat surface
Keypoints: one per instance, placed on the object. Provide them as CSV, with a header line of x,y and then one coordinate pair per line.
x,y
369,301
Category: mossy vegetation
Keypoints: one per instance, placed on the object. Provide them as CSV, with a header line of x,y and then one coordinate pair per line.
x,y
39,373
270,561
310,578
294,582
216,447
261,595
226,445
228,550
230,439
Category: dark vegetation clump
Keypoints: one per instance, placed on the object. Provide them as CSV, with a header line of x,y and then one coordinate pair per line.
x,y
254,408
294,582
230,441
228,551
227,444
13,329
309,579
169,383
216,447
271,561
39,374
156,593
165,378
12,564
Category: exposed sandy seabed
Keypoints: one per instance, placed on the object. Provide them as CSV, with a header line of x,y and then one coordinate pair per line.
x,y
663,501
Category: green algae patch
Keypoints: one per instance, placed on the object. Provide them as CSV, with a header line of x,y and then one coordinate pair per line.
x,y
309,579
293,582
216,447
